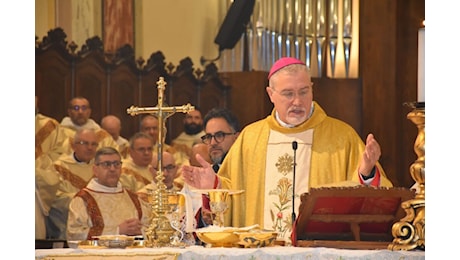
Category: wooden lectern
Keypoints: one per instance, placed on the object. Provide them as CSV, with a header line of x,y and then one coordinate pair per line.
x,y
358,217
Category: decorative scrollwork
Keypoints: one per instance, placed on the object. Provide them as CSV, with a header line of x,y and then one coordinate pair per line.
x,y
409,232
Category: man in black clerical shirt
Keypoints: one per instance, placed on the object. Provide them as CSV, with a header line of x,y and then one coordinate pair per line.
x,y
222,128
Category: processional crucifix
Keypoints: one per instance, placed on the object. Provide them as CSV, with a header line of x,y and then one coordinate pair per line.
x,y
160,230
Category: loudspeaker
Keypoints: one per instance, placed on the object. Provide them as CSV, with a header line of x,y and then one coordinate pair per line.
x,y
234,23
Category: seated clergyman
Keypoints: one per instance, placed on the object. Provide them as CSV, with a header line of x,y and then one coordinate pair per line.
x,y
104,207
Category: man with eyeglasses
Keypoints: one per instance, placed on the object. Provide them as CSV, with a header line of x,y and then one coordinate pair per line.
x,y
221,130
79,113
75,171
104,207
328,151
169,173
135,173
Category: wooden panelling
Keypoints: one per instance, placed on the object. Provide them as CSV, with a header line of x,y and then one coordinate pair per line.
x,y
388,62
342,99
91,83
114,82
123,93
249,100
53,80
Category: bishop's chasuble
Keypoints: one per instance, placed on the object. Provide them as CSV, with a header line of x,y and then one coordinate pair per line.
x,y
260,162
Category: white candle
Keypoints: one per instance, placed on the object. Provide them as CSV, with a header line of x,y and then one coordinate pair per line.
x,y
421,66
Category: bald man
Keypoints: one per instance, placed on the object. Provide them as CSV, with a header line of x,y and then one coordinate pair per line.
x,y
112,125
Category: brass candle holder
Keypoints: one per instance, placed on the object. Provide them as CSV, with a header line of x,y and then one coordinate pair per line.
x,y
409,232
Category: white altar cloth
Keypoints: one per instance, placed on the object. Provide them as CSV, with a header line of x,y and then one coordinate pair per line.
x,y
199,252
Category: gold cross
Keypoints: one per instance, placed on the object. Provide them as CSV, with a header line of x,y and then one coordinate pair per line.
x,y
162,113
160,229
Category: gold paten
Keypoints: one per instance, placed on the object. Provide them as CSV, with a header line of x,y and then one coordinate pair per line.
x,y
160,231
409,232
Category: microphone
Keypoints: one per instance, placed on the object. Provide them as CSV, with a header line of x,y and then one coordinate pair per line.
x,y
294,147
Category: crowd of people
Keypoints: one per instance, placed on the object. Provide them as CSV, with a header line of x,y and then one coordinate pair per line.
x,y
72,174
92,181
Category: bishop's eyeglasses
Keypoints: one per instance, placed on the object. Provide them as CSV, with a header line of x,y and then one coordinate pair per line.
x,y
218,137
108,164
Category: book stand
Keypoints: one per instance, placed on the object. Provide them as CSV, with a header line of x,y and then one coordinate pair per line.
x,y
358,217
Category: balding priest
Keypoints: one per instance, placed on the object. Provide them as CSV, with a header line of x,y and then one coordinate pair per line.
x,y
260,162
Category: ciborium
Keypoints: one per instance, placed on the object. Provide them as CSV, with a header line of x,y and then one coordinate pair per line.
x,y
409,232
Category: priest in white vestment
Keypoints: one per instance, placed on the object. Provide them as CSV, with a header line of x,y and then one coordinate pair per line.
x,y
104,207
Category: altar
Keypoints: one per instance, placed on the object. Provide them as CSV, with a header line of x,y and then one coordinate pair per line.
x,y
200,252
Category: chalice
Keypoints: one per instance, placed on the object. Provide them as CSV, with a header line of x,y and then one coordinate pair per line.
x,y
218,205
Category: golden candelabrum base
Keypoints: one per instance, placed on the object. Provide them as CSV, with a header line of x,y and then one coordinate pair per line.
x,y
409,232
160,231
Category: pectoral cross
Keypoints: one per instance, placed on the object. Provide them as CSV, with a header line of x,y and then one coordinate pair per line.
x,y
158,233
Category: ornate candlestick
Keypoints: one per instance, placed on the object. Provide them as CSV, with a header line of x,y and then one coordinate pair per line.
x,y
409,232
160,231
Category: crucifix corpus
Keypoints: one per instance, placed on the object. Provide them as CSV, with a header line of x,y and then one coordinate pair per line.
x,y
160,230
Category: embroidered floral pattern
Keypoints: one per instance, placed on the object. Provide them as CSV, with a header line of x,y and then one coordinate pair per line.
x,y
282,221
